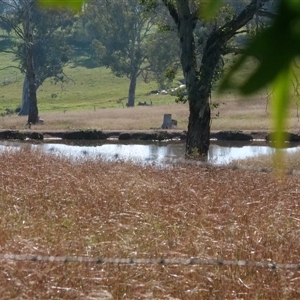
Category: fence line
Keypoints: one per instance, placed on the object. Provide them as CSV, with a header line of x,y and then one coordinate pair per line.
x,y
149,261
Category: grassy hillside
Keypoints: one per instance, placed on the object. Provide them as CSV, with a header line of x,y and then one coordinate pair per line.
x,y
86,88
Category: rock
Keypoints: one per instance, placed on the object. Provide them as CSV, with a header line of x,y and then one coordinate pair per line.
x,y
142,104
36,136
144,136
136,135
183,136
232,136
148,137
125,136
40,121
85,135
154,92
12,135
162,135
8,111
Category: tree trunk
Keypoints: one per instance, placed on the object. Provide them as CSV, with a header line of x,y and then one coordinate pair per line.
x,y
25,100
199,81
30,73
25,97
131,92
33,115
197,143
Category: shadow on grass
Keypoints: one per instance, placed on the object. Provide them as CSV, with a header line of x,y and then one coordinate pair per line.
x,y
83,58
85,62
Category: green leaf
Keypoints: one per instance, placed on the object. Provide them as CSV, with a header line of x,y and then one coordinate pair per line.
x,y
279,107
209,8
295,5
280,103
73,4
275,48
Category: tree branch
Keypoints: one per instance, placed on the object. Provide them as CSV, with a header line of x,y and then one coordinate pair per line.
x,y
9,67
15,28
227,31
172,10
232,50
267,14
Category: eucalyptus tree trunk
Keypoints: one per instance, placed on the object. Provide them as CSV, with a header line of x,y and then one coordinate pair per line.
x,y
25,101
30,73
199,79
132,88
25,97
197,143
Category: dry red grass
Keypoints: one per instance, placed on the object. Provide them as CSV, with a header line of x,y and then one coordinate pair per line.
x,y
54,206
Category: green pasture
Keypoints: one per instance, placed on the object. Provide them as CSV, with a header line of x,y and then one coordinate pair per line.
x,y
85,88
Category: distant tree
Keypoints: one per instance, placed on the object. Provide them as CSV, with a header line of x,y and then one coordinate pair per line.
x,y
41,47
162,52
26,33
50,49
124,35
4,12
162,57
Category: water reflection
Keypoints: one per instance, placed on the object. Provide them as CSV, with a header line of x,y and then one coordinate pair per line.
x,y
219,153
134,152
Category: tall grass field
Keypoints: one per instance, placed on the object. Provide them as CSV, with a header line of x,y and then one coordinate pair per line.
x,y
53,206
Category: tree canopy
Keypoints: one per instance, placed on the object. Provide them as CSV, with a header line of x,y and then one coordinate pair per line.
x,y
50,48
126,39
39,45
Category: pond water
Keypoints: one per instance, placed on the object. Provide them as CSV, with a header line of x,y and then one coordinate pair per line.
x,y
160,153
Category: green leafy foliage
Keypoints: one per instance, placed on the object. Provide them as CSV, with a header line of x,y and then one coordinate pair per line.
x,y
181,95
73,4
279,107
275,48
209,8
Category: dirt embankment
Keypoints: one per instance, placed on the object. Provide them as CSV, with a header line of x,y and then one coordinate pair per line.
x,y
124,134
143,135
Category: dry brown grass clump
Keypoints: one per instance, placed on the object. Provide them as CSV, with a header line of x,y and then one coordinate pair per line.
x,y
289,161
136,118
54,206
235,114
